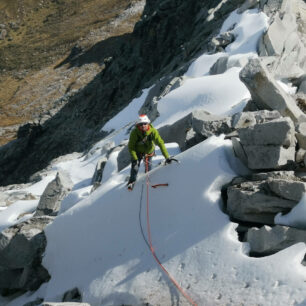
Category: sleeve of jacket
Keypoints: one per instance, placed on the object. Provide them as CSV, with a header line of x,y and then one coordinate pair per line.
x,y
132,145
159,141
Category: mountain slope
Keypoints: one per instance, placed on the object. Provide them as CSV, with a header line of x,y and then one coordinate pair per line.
x,y
157,46
98,242
38,36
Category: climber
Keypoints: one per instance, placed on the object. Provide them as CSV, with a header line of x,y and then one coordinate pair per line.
x,y
142,145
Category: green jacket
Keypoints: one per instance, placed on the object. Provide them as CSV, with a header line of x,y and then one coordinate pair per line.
x,y
145,142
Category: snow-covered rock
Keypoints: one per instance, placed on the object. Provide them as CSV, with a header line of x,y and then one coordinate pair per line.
x,y
50,201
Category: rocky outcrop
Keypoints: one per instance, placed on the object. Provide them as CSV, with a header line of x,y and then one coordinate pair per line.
x,y
246,119
272,144
98,174
21,250
219,66
124,157
284,188
50,201
260,197
266,93
269,240
221,41
72,295
194,128
269,157
105,151
255,201
266,145
275,132
285,40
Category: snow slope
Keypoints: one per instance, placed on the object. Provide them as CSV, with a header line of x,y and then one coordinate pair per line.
x,y
96,243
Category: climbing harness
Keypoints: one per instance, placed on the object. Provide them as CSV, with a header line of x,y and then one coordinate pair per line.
x,y
149,240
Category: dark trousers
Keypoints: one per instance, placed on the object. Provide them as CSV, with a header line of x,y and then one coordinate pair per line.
x,y
136,164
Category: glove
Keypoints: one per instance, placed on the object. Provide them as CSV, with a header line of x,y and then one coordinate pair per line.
x,y
168,160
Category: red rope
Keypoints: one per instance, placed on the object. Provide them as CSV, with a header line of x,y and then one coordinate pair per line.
x,y
190,300
158,185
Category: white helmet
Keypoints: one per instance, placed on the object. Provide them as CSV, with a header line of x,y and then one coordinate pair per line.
x,y
143,119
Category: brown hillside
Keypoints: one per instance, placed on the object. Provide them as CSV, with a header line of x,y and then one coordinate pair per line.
x,y
38,35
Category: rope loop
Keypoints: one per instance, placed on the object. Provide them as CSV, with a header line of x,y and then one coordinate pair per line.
x,y
175,283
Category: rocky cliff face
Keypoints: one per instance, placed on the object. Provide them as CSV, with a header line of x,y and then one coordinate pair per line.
x,y
169,34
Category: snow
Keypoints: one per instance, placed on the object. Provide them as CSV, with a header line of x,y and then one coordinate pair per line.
x,y
217,94
38,188
287,87
222,94
17,212
296,217
96,242
202,65
247,29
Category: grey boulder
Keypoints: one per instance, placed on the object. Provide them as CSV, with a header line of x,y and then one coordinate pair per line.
x,y
285,40
266,93
276,132
269,157
21,250
251,202
250,118
287,189
194,128
220,66
50,201
269,240
266,145
98,174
